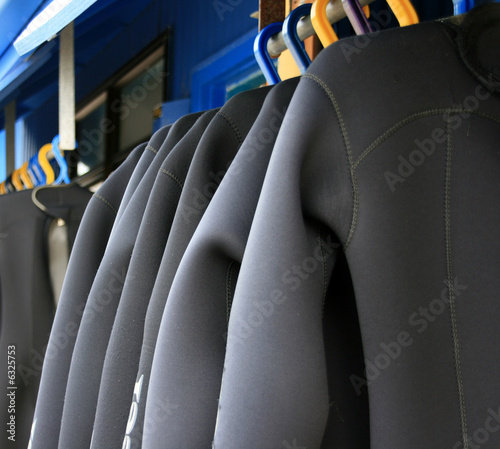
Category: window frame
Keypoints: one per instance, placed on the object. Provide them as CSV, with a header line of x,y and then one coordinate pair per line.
x,y
109,93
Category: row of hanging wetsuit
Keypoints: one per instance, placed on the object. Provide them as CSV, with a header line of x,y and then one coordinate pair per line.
x,y
314,265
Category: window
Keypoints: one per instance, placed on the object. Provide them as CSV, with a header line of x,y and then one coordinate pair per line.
x,y
241,84
91,133
119,116
139,99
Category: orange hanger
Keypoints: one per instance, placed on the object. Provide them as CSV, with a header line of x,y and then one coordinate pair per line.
x,y
404,12
2,188
16,180
322,25
25,177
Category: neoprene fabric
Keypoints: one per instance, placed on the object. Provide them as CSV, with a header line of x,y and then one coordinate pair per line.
x,y
214,154
315,265
181,405
133,181
26,300
82,267
348,422
122,355
97,320
401,166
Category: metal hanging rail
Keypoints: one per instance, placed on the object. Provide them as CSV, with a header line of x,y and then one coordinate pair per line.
x,y
334,11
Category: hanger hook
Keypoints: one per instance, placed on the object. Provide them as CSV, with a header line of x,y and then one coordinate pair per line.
x,y
291,36
357,17
63,173
321,24
262,55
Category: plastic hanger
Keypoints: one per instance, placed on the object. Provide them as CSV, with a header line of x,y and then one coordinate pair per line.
x,y
45,164
462,6
16,181
262,55
291,37
6,187
25,177
9,188
321,24
47,168
356,15
63,165
36,171
404,12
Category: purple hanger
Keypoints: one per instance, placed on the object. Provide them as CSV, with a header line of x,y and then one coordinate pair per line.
x,y
357,17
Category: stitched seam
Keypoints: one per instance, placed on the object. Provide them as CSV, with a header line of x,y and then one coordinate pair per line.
x,y
229,298
449,270
347,145
484,115
106,202
232,125
150,148
171,175
385,136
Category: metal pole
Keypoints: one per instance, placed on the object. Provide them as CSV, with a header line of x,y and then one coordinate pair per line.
x,y
67,133
10,136
334,11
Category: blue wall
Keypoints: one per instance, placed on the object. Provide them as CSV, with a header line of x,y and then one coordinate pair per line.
x,y
198,31
39,129
201,30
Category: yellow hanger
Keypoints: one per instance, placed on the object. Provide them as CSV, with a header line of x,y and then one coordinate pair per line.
x,y
45,164
25,177
404,12
16,181
402,9
322,25
2,188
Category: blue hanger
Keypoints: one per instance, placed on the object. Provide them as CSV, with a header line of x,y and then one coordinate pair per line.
x,y
63,172
291,37
37,171
462,6
357,17
262,55
9,187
